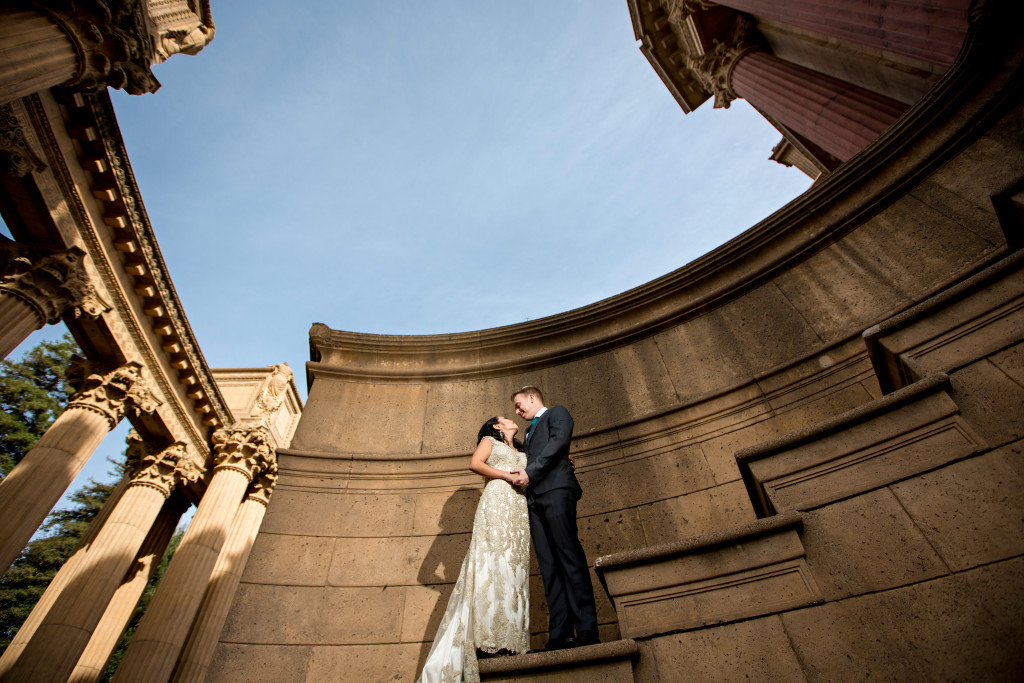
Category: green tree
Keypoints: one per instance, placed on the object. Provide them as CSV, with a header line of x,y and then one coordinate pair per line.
x,y
33,392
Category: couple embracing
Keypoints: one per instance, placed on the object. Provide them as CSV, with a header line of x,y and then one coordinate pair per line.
x,y
532,491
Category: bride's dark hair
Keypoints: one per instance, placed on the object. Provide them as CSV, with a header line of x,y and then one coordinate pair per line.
x,y
490,428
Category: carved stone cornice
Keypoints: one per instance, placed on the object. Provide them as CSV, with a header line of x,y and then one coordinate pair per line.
x,y
159,467
110,390
263,483
51,282
16,157
248,450
714,67
112,40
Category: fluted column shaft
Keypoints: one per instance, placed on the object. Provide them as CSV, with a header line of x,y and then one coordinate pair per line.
x,y
63,578
929,30
122,605
36,483
161,634
34,486
227,573
35,54
839,117
17,321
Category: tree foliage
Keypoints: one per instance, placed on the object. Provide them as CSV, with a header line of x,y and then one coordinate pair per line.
x,y
33,392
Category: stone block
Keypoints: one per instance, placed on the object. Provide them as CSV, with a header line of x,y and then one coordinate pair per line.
x,y
755,650
747,571
609,533
395,662
398,561
960,325
455,411
345,514
991,401
424,608
663,471
608,662
972,512
289,560
246,663
866,543
894,437
445,512
698,513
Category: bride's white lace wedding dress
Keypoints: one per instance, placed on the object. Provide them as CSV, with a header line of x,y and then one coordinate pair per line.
x,y
489,608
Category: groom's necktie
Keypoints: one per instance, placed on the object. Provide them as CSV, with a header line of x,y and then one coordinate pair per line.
x,y
529,430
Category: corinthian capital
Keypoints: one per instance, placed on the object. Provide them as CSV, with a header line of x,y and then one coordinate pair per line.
x,y
248,450
263,483
158,467
714,67
110,390
49,282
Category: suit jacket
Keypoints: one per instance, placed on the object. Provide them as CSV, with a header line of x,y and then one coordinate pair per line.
x,y
547,454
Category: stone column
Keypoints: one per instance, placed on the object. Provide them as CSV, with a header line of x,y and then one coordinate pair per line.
x,y
119,612
105,393
58,643
160,637
37,288
837,116
202,641
929,30
63,577
35,53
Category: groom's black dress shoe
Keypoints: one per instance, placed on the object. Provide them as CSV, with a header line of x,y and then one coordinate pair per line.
x,y
553,645
581,640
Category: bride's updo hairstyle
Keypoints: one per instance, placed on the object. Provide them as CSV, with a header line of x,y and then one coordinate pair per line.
x,y
490,428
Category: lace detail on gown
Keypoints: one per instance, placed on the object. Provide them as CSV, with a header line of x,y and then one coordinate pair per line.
x,y
489,608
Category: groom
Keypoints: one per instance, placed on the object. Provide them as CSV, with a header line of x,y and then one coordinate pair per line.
x,y
551,494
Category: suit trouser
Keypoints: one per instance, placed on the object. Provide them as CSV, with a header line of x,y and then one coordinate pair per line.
x,y
563,565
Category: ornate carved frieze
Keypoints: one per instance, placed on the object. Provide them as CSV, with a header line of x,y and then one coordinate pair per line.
x,y
159,467
262,485
50,282
714,67
273,392
16,157
248,450
110,390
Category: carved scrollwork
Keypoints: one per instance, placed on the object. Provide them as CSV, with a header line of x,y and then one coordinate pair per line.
x,y
714,67
159,467
263,483
51,283
248,450
16,157
110,390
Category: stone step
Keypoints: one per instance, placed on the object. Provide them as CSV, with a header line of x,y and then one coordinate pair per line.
x,y
610,662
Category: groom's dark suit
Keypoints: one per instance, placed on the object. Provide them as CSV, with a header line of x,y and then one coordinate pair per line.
x,y
551,496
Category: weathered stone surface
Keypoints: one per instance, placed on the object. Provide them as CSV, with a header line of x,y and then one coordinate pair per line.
x,y
607,661
986,396
896,436
333,514
391,662
972,512
697,513
242,663
864,544
749,650
289,560
398,560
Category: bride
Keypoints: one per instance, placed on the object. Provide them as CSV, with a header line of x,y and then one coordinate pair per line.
x,y
489,608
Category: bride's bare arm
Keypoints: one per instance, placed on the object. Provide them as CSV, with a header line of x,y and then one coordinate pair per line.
x,y
478,463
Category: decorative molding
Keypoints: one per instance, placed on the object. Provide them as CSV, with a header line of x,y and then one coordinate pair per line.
x,y
246,450
16,156
110,390
714,68
51,282
263,483
159,467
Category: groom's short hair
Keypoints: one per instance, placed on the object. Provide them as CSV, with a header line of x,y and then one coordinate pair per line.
x,y
530,390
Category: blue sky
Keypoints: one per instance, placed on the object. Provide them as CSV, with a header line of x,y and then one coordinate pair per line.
x,y
431,167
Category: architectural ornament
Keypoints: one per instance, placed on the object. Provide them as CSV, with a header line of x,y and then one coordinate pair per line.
x,y
109,389
16,157
714,67
51,283
245,449
678,10
263,484
159,467
273,391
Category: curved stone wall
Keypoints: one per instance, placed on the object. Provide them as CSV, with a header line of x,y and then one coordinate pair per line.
x,y
760,338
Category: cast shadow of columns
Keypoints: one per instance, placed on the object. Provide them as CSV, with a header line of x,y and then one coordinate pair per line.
x,y
443,559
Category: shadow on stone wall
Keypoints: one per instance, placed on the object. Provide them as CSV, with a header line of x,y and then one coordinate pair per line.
x,y
441,565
